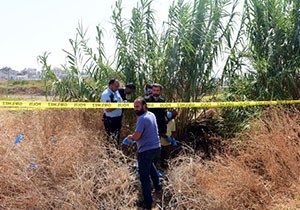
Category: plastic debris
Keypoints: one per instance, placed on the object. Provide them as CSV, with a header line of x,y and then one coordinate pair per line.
x,y
33,165
53,140
19,139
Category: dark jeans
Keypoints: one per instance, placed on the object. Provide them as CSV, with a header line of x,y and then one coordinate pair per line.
x,y
147,169
113,129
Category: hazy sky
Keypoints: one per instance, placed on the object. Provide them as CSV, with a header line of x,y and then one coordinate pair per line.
x,y
31,27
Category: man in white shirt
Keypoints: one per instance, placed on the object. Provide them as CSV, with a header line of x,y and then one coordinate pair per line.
x,y
112,118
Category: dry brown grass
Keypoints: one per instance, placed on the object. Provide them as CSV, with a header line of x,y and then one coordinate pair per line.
x,y
77,172
261,171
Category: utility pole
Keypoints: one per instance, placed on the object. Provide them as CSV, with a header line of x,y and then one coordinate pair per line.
x,y
8,70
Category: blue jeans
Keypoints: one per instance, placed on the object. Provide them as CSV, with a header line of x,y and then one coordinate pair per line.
x,y
147,169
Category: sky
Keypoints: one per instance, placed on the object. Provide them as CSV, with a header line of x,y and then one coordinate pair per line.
x,y
31,27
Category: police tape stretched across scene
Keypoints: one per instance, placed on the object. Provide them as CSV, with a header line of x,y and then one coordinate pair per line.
x,y
30,105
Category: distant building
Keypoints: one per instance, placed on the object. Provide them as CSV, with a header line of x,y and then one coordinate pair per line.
x,y
29,74
22,77
59,73
7,73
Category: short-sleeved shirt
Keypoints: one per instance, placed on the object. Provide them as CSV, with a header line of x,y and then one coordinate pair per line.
x,y
171,127
147,125
109,96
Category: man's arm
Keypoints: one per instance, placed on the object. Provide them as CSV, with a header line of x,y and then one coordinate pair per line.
x,y
164,135
135,136
122,94
106,98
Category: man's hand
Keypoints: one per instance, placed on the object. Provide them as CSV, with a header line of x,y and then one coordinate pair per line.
x,y
126,141
130,137
174,142
169,139
109,110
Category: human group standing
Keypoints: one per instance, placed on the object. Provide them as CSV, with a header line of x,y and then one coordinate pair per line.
x,y
154,133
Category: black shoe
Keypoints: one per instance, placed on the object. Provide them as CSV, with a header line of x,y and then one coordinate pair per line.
x,y
158,189
142,205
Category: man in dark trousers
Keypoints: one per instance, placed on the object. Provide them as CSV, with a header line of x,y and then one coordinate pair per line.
x,y
148,143
112,118
160,113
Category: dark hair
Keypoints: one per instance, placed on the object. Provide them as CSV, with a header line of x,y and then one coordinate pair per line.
x,y
157,85
131,86
112,81
142,100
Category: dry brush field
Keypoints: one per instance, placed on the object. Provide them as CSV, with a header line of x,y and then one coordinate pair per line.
x,y
75,169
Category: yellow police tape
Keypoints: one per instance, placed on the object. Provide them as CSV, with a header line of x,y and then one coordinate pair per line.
x,y
20,108
97,105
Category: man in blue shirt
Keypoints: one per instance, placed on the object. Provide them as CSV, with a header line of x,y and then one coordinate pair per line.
x,y
112,118
148,143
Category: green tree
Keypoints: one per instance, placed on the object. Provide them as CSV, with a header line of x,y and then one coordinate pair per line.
x,y
137,50
87,70
274,37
